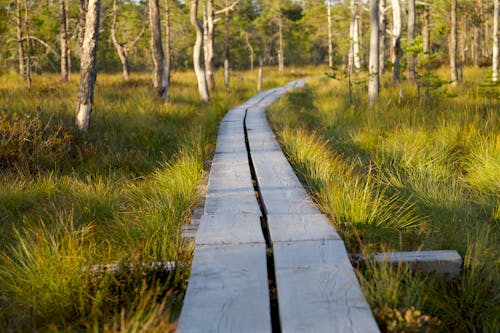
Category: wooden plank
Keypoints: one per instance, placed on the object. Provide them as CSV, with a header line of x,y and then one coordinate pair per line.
x,y
281,201
273,170
444,261
286,228
227,291
231,202
230,229
318,290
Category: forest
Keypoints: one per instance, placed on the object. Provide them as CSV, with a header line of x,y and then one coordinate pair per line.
x,y
109,114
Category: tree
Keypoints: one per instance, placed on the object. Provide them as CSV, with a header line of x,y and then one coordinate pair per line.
x,y
88,69
453,43
426,27
373,81
496,41
382,36
411,36
396,41
28,44
20,48
209,25
160,75
168,41
64,42
122,49
226,46
354,57
199,70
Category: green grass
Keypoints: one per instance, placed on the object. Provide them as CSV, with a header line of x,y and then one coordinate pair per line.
x,y
410,173
118,194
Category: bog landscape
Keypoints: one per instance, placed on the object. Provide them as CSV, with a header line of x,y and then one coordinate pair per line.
x,y
249,166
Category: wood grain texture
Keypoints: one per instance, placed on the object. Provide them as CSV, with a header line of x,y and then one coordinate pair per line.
x,y
318,290
444,261
230,229
286,228
227,291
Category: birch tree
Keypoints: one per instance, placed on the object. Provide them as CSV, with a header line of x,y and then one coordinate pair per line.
x,y
168,41
209,42
354,56
476,47
226,46
122,48
396,40
411,36
20,47
88,69
496,39
453,43
160,74
426,30
373,81
382,36
28,44
64,42
197,50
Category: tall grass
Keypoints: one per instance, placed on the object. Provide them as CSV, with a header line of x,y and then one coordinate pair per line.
x,y
118,194
409,173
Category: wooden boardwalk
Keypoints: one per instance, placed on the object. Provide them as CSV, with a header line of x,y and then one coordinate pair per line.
x,y
261,231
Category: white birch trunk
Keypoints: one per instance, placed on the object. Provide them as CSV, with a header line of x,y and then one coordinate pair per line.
x,y
198,69
88,70
355,40
373,81
261,74
20,48
496,39
281,55
250,50
412,76
122,52
382,39
28,44
209,43
426,30
396,40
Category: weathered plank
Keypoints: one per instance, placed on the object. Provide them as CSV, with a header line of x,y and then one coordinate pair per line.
x,y
286,228
273,170
318,290
230,229
231,202
280,201
227,291
444,261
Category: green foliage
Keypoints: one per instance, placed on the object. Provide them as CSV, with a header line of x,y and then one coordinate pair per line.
x,y
409,175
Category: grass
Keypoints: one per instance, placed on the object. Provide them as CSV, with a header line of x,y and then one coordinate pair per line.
x,y
409,173
118,194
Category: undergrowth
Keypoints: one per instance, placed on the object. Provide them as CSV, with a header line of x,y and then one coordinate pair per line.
x,y
413,172
117,195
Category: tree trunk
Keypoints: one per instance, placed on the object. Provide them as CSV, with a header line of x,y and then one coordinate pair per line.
x,y
330,46
68,38
354,37
426,28
412,76
199,70
382,38
20,49
496,39
250,49
209,46
261,74
120,49
168,41
88,69
160,68
463,37
28,44
281,55
396,41
477,34
64,42
453,43
373,81
227,75
81,22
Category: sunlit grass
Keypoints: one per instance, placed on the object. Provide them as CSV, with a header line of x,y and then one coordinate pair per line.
x,y
409,173
118,194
